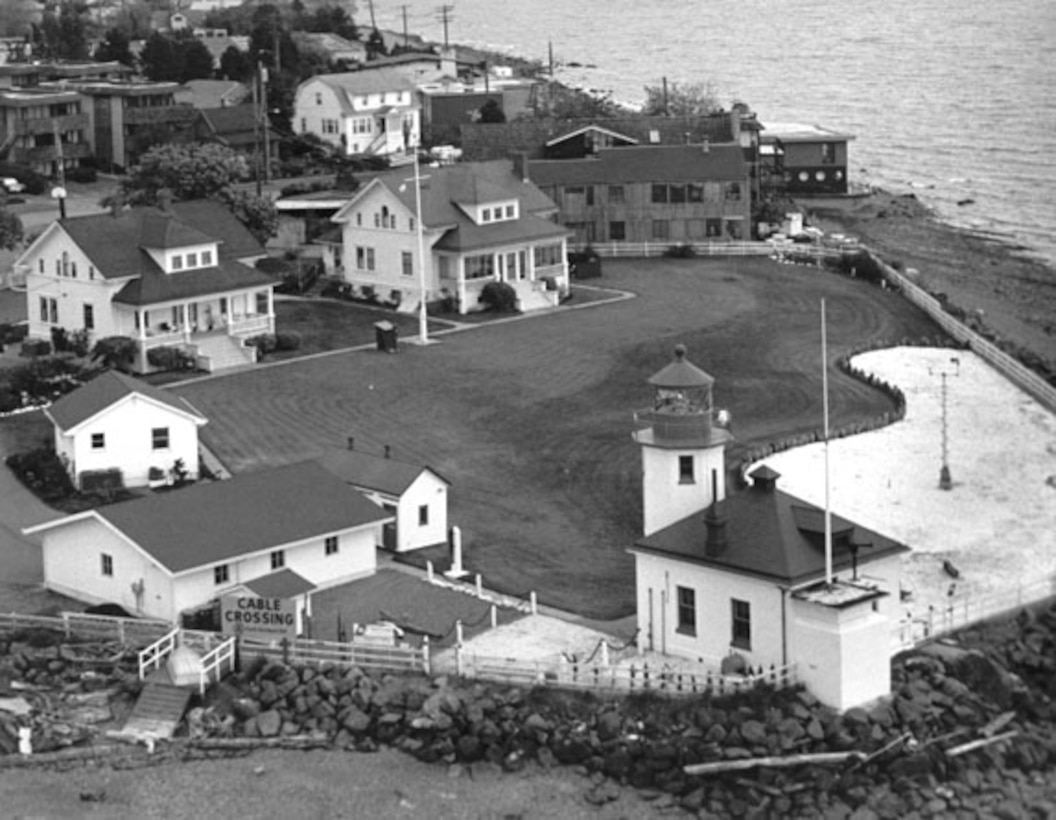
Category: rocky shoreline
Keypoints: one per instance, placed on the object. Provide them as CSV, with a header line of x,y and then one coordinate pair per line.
x,y
992,687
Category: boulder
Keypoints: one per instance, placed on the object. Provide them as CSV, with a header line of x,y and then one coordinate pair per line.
x,y
269,723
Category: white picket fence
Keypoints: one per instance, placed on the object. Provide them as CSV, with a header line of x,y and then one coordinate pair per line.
x,y
126,631
669,679
398,658
964,610
616,250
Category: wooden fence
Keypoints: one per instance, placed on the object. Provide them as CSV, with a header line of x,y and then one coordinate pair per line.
x,y
615,250
670,679
964,610
126,631
366,656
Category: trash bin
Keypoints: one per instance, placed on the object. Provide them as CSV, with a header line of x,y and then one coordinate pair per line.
x,y
385,333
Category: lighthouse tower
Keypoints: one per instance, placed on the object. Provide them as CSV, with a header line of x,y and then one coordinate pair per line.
x,y
683,462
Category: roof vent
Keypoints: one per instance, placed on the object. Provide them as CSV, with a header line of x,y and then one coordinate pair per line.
x,y
764,478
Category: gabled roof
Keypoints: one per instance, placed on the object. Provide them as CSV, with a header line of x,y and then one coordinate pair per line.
x,y
385,475
154,285
590,128
216,522
285,583
114,244
106,390
445,189
349,84
206,94
801,132
644,163
770,535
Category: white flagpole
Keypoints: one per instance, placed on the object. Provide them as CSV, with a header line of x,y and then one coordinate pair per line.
x,y
825,402
423,315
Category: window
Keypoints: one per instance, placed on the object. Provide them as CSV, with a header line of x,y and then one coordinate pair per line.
x,y
364,258
485,215
330,545
828,153
677,193
278,559
695,192
40,265
480,266
192,260
687,611
91,272
58,267
262,303
617,231
661,229
423,515
713,227
159,438
590,194
616,193
511,212
742,624
89,317
685,470
177,262
65,264
407,259
733,191
73,270
49,310
547,255
304,125
659,193
318,98
98,441
207,258
107,565
359,220
220,574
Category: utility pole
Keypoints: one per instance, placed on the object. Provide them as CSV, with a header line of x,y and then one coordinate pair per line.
x,y
60,190
262,76
406,37
373,22
945,479
256,129
446,13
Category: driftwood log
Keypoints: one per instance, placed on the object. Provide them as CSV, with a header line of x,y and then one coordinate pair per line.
x,y
819,758
964,748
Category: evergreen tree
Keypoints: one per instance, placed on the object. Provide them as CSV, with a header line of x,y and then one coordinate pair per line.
x,y
162,59
196,60
235,65
114,47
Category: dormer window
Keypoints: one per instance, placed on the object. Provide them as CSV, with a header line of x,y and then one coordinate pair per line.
x,y
485,215
207,259
177,262
192,260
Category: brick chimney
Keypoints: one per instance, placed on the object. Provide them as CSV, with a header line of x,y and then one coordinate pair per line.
x,y
520,166
715,523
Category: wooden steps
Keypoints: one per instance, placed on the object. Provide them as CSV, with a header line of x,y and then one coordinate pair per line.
x,y
157,713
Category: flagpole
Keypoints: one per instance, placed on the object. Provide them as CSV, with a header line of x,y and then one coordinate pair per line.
x,y
825,402
423,315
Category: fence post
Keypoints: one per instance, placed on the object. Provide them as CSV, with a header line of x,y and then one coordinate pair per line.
x,y
494,616
426,660
458,632
533,602
66,624
429,571
480,586
458,660
604,652
121,632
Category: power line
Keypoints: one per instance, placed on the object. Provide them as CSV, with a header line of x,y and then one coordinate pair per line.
x,y
445,15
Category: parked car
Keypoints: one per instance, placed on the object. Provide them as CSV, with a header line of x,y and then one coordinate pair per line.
x,y
12,185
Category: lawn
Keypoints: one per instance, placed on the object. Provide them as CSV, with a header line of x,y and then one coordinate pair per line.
x,y
531,420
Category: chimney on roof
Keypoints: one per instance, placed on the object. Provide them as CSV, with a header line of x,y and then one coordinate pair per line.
x,y
764,479
351,442
165,200
715,523
520,166
388,451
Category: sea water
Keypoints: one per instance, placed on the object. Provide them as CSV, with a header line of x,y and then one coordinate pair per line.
x,y
955,102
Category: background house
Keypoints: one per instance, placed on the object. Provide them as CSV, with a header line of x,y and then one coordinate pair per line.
x,y
651,193
481,222
173,552
415,494
372,113
171,276
118,422
803,159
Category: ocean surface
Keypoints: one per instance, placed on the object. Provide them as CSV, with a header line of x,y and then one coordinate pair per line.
x,y
955,102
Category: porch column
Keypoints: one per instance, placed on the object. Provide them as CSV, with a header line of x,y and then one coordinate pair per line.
x,y
271,310
460,273
185,317
141,315
529,260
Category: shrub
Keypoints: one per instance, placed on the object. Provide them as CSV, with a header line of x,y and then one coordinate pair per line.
x,y
46,379
336,289
9,399
43,472
102,482
288,340
264,343
395,297
117,352
12,334
60,339
500,297
79,342
36,347
171,358
680,251
34,182
155,474
367,294
82,174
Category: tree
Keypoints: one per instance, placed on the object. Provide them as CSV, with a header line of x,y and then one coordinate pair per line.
x,y
161,58
133,19
115,352
197,60
62,35
681,100
257,213
11,232
491,111
375,45
16,17
235,65
332,19
114,47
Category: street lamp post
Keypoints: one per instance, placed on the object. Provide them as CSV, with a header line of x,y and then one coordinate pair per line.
x,y
945,477
423,315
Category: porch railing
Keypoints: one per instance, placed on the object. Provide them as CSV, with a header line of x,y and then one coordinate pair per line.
x,y
249,325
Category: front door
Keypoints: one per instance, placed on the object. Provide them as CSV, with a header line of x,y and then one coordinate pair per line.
x,y
512,273
192,312
388,531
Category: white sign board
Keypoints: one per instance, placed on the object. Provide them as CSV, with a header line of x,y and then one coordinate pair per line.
x,y
258,619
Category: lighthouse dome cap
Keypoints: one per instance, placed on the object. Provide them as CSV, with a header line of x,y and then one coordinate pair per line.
x,y
681,373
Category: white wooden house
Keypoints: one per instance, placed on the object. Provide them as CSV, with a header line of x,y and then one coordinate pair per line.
x,y
415,494
176,551
744,576
481,222
119,422
171,276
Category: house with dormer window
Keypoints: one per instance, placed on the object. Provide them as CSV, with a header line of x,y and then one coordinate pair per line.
x,y
168,276
373,113
481,222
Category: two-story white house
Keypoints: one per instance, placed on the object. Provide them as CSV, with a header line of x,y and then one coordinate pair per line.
x,y
173,552
374,113
170,276
480,222
118,422
414,493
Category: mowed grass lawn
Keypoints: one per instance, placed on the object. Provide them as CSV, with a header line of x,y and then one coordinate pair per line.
x,y
531,420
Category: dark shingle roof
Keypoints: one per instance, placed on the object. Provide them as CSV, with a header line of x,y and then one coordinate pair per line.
x,y
771,535
386,475
105,390
644,163
155,286
114,243
282,584
220,521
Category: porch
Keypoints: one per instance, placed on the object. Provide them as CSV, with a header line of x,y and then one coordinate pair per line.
x,y
539,275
